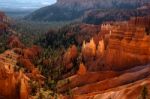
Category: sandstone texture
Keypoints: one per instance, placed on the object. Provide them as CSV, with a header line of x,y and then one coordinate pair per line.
x,y
117,67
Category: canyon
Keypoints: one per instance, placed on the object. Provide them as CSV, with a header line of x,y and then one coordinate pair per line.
x,y
113,63
115,68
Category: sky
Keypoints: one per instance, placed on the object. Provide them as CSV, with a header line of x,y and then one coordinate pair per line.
x,y
24,4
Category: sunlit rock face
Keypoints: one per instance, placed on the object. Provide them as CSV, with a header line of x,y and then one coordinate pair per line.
x,y
134,90
89,50
13,85
106,84
125,92
82,69
140,21
70,56
128,45
92,55
14,82
81,80
100,49
130,83
117,67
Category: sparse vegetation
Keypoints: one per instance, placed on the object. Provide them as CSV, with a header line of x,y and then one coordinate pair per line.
x,y
144,93
46,59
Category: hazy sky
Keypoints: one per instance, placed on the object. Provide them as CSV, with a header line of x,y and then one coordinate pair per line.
x,y
24,4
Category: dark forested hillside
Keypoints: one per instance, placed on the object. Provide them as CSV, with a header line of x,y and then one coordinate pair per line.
x,y
99,16
65,10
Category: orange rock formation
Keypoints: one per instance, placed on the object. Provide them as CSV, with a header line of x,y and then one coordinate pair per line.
x,y
70,56
128,45
120,62
13,85
92,54
89,50
82,69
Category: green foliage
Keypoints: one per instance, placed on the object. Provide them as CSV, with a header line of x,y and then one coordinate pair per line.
x,y
60,38
35,87
147,30
53,69
54,44
144,93
30,32
3,42
45,94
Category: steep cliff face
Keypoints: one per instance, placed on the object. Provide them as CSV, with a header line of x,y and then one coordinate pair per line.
x,y
116,69
129,44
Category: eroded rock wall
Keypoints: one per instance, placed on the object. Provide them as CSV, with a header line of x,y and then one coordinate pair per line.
x,y
128,46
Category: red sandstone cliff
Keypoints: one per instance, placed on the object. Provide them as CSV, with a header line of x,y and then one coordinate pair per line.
x,y
14,82
129,44
13,85
116,68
